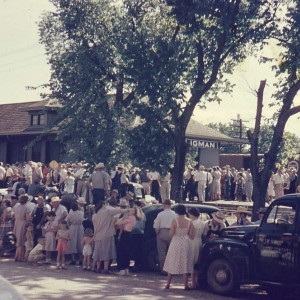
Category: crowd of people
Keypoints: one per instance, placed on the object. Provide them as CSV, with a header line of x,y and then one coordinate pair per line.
x,y
94,218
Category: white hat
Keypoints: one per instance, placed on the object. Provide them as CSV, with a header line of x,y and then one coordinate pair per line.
x,y
218,216
81,200
123,202
55,199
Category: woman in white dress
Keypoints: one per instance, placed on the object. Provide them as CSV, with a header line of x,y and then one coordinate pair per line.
x,y
179,257
196,243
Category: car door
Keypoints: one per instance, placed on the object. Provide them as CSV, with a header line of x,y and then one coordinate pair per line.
x,y
277,242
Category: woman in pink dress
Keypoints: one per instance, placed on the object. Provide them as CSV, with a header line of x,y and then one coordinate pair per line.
x,y
22,216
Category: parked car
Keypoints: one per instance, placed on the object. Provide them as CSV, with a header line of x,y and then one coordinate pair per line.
x,y
150,250
266,254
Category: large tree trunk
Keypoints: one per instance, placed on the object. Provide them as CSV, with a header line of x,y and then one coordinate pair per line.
x,y
179,165
262,176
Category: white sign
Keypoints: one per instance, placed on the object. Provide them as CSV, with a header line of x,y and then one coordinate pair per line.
x,y
202,144
293,164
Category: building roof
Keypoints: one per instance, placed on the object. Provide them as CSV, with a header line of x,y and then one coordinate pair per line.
x,y
14,117
196,130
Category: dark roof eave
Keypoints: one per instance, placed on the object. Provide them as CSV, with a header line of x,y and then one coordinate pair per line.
x,y
218,139
28,133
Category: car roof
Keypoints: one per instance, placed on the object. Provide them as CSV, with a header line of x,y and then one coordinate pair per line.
x,y
290,197
201,207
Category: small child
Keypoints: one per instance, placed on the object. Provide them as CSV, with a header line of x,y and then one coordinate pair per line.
x,y
87,250
50,230
63,236
29,240
36,254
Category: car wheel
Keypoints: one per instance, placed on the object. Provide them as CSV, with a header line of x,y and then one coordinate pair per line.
x,y
152,260
221,277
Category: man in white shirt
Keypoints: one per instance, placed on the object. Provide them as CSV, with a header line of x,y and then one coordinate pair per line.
x,y
201,177
278,180
2,175
162,225
80,183
28,172
155,185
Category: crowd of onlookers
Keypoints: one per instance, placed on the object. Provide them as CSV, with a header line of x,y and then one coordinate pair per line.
x,y
96,218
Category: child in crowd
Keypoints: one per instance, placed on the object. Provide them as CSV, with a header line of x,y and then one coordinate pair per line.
x,y
36,255
50,230
29,240
63,236
87,250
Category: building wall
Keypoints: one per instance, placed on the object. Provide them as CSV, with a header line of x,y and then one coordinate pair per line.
x,y
208,157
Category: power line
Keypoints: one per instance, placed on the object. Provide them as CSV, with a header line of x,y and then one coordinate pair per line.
x,y
16,51
20,67
21,60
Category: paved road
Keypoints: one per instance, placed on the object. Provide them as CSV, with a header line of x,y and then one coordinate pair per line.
x,y
44,282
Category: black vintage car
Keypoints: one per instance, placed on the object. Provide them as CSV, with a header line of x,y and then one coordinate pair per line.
x,y
266,254
150,250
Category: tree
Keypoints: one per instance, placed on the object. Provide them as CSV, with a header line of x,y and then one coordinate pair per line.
x,y
161,58
185,48
78,37
287,71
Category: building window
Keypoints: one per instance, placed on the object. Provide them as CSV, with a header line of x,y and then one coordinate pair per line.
x,y
38,119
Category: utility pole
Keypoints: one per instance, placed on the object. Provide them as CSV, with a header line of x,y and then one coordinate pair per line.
x,y
239,128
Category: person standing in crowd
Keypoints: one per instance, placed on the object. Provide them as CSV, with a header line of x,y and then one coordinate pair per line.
x,y
69,183
201,177
137,237
214,226
135,176
248,185
162,225
196,243
63,237
271,190
49,231
2,176
74,220
80,183
241,216
165,187
119,180
104,231
60,210
216,184
145,181
278,180
39,217
155,185
240,182
22,216
87,251
189,187
126,224
100,184
293,177
28,172
6,224
8,174
179,258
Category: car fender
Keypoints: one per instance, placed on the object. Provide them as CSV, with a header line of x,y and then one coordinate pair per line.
x,y
238,253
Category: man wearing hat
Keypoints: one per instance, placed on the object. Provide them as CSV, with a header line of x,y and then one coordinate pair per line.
x,y
119,180
214,226
261,212
241,215
60,211
201,176
99,182
81,203
162,225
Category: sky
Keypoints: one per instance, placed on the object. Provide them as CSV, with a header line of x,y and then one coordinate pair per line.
x,y
23,64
